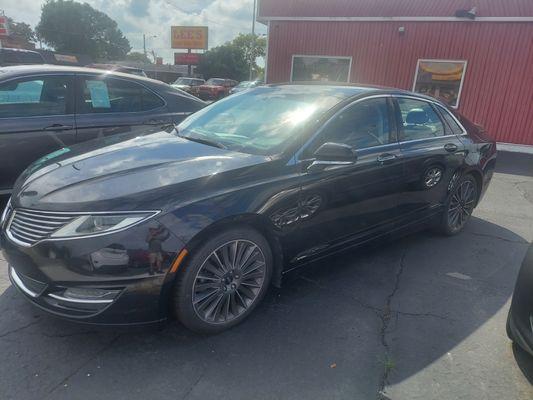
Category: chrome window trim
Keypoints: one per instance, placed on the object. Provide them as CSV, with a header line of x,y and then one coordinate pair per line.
x,y
325,124
21,284
153,213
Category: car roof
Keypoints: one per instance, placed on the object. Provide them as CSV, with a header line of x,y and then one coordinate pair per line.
x,y
354,89
22,70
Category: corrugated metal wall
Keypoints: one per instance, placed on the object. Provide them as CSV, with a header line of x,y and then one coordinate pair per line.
x,y
389,8
498,85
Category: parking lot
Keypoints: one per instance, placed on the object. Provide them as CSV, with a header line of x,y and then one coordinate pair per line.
x,y
419,318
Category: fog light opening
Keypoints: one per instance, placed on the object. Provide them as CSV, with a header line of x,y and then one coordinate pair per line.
x,y
87,295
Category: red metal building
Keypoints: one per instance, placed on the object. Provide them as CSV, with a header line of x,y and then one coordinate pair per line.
x,y
475,54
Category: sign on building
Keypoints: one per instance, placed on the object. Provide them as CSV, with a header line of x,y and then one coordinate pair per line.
x,y
3,26
186,58
188,37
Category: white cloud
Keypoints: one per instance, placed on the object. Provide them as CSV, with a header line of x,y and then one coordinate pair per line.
x,y
225,19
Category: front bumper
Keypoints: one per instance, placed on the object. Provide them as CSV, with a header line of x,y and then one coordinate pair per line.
x,y
112,279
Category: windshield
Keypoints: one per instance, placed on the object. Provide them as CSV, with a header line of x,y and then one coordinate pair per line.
x,y
260,121
215,81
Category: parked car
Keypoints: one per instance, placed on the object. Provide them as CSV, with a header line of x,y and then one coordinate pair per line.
x,y
49,108
215,88
119,68
188,84
245,85
9,57
245,190
520,319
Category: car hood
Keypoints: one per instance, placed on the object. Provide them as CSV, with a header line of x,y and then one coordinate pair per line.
x,y
149,171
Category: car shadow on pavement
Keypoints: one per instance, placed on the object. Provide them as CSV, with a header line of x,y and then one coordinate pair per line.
x,y
515,163
345,326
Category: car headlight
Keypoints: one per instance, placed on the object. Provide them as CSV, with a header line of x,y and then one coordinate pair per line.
x,y
98,224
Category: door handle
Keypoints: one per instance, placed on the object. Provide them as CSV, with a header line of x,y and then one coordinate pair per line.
x,y
450,147
386,157
58,127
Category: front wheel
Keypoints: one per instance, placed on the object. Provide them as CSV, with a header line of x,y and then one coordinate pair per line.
x,y
459,206
223,281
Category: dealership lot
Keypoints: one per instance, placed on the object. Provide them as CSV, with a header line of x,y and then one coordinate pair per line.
x,y
422,317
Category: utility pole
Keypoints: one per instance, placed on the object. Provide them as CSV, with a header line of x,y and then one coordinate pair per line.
x,y
144,45
252,59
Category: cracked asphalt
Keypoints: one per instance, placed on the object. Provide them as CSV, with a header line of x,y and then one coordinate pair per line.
x,y
419,318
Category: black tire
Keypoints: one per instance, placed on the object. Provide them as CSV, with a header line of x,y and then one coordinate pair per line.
x,y
463,197
209,303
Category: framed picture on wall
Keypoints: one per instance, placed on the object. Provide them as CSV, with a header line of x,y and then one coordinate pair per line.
x,y
442,79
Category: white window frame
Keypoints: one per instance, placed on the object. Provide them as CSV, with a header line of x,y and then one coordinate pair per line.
x,y
322,56
464,62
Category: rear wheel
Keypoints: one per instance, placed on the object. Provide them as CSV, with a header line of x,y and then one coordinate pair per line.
x,y
223,281
459,206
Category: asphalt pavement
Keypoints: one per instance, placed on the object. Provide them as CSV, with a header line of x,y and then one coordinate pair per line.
x,y
419,318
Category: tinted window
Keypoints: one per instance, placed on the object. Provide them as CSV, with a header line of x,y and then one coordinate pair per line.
x,y
218,82
452,123
116,95
33,97
419,120
365,124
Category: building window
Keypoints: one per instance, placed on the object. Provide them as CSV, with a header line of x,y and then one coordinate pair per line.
x,y
441,79
320,68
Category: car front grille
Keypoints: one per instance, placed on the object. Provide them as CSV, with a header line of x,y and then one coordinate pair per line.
x,y
27,227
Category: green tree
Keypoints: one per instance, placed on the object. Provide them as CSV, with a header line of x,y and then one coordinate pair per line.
x,y
226,61
21,30
253,46
138,57
68,26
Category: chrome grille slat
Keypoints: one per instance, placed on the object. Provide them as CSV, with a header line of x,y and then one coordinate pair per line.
x,y
46,216
40,221
28,227
18,224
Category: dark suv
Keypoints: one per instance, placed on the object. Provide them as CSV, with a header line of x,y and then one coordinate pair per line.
x,y
49,108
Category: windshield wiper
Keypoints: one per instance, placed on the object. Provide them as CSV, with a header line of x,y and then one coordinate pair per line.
x,y
208,142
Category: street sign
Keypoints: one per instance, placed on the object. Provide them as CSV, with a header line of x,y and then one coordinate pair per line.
x,y
3,26
188,37
186,58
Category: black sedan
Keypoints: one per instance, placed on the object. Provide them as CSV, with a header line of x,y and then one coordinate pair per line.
x,y
45,108
520,319
198,221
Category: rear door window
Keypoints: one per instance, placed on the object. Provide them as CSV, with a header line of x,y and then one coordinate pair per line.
x,y
454,127
35,96
418,120
111,95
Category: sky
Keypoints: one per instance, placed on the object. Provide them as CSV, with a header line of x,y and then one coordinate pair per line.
x,y
225,19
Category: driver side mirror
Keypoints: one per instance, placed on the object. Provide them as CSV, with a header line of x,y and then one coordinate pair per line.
x,y
332,155
335,152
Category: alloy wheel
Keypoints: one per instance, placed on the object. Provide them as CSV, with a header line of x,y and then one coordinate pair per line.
x,y
461,205
229,281
433,176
